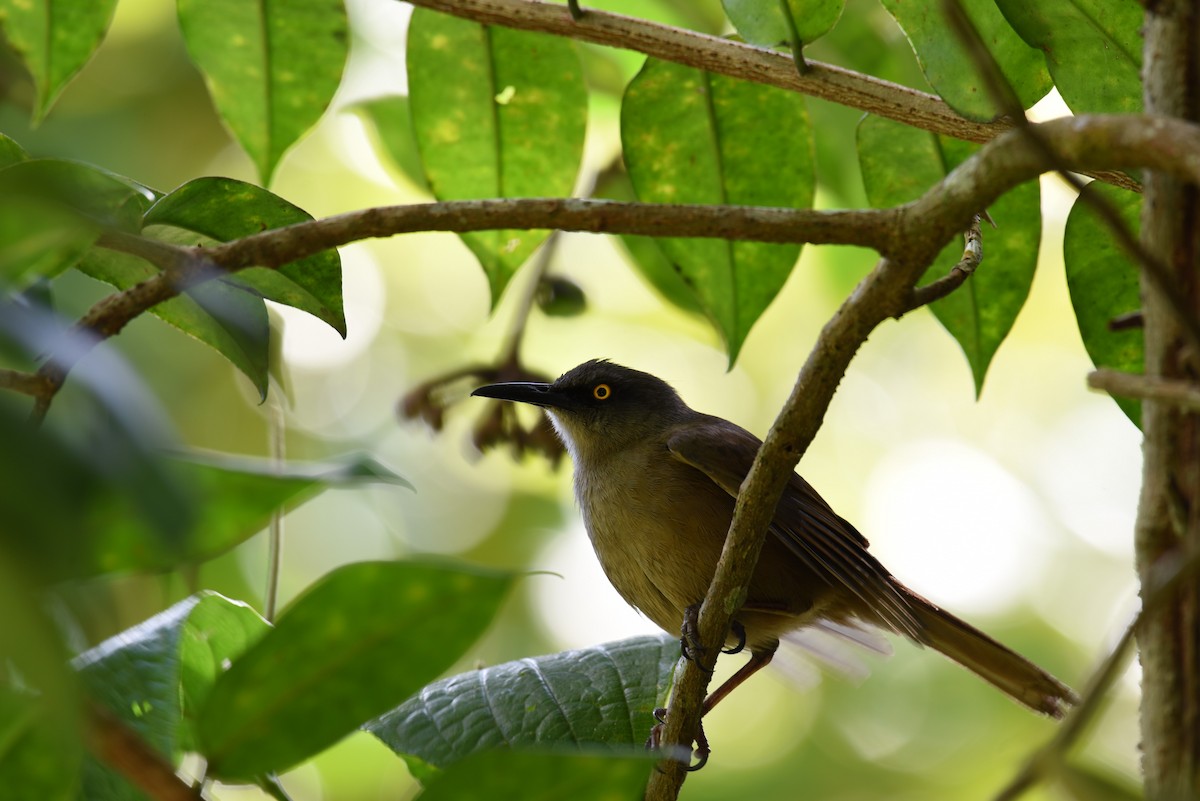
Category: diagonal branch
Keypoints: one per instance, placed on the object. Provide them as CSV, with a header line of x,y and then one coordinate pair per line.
x,y
739,60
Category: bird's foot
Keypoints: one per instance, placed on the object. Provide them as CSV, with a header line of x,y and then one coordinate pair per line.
x,y
701,751
576,11
739,631
689,639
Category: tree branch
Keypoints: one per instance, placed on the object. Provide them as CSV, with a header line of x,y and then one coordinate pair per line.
x,y
739,60
1180,394
1106,141
122,749
25,383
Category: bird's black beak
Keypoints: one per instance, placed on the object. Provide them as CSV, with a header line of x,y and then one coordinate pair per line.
x,y
538,394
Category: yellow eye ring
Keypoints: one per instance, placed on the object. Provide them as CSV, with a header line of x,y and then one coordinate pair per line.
x,y
602,392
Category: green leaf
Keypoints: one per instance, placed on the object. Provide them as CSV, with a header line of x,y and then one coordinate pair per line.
x,y
146,673
51,212
219,313
271,68
590,698
543,777
948,67
762,22
235,498
1103,284
39,760
498,113
898,164
54,38
224,209
391,118
1093,49
10,152
694,137
352,646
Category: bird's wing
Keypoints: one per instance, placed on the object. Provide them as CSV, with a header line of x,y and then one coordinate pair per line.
x,y
804,522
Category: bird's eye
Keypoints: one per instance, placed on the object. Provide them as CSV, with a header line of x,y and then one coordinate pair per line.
x,y
602,392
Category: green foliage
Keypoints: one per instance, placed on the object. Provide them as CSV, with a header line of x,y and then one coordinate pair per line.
x,y
1104,286
586,699
387,626
1093,49
55,40
543,777
898,164
497,113
695,137
949,69
271,68
771,22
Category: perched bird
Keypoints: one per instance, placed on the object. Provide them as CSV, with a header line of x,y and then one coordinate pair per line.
x,y
656,482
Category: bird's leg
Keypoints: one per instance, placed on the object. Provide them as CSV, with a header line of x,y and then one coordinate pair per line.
x,y
759,659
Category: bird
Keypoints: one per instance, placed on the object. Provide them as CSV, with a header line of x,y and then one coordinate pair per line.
x,y
656,482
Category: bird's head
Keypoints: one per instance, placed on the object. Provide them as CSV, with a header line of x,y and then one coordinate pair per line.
x,y
599,407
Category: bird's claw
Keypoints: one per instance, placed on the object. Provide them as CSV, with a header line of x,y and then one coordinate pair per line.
x,y
739,631
654,742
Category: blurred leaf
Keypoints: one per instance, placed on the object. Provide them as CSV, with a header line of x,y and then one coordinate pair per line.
x,y
595,697
899,163
543,777
1104,284
54,38
219,313
694,137
10,151
560,297
354,644
498,113
39,760
225,209
762,22
235,498
391,117
271,68
1094,783
1093,49
148,672
949,68
51,212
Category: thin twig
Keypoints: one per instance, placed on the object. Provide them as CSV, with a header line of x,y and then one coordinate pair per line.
x,y
1181,394
125,751
1045,759
26,383
959,273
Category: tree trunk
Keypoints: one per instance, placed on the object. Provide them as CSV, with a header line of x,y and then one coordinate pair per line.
x,y
1168,526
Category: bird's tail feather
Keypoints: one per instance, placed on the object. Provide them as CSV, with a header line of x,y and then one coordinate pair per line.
x,y
1009,671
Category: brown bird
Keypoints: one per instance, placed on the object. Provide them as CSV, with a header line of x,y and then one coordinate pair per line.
x,y
656,482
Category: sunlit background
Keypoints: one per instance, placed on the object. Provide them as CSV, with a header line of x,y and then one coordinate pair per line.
x,y
1014,510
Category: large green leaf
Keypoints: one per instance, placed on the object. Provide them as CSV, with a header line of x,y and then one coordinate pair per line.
x,y
762,22
1093,49
528,776
391,118
225,209
694,137
352,646
271,67
497,113
54,38
950,70
1104,285
147,673
898,164
10,152
39,761
599,697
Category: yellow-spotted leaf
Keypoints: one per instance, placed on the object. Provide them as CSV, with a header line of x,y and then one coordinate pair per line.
x,y
691,136
497,113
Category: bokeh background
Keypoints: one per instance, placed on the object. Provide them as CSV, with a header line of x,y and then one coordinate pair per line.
x,y
1014,509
